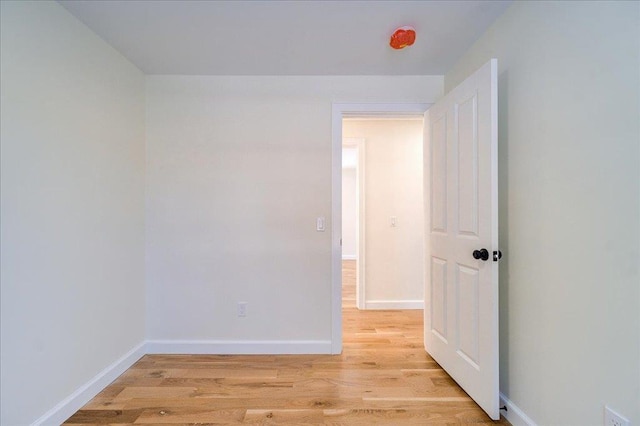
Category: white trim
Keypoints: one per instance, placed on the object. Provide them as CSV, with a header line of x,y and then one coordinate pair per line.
x,y
515,415
237,347
349,257
338,111
68,406
394,304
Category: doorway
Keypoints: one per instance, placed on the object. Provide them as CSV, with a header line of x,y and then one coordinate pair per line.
x,y
339,113
382,211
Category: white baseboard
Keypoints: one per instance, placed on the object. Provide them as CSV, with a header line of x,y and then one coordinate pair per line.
x,y
393,304
515,415
349,257
230,347
67,407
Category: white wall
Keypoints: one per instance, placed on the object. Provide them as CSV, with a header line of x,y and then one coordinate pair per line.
x,y
72,207
569,208
349,212
394,255
238,169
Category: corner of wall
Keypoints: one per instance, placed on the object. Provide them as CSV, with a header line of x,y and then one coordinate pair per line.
x,y
68,406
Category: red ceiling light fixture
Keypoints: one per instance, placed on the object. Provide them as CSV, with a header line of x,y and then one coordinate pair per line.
x,y
402,37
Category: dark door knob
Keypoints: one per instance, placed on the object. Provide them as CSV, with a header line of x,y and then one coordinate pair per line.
x,y
482,254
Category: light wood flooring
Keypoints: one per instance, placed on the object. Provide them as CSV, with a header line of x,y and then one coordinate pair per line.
x,y
383,376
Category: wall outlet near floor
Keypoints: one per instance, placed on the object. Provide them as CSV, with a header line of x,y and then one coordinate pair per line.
x,y
242,309
611,418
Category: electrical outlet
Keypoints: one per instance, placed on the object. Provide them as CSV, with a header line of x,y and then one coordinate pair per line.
x,y
242,309
611,418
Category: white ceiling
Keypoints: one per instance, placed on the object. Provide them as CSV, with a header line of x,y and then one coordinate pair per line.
x,y
287,37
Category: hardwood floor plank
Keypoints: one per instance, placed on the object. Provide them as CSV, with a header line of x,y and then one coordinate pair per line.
x,y
104,416
223,373
155,391
290,416
384,376
190,415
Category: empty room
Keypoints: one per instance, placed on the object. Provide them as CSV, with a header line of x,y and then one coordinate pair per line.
x,y
171,212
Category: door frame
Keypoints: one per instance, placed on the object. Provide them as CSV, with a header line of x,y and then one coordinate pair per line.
x,y
338,112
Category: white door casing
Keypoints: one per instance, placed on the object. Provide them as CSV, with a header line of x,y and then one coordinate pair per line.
x,y
461,212
338,111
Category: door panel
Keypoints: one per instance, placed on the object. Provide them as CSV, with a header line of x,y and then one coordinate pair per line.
x,y
466,127
461,295
439,297
439,175
467,313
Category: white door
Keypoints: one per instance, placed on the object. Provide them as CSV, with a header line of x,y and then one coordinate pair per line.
x,y
461,203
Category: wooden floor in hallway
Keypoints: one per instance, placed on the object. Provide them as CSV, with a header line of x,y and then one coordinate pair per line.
x,y
383,376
